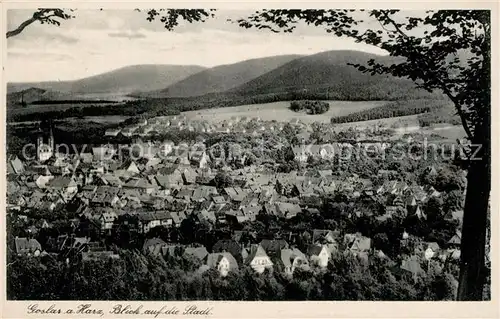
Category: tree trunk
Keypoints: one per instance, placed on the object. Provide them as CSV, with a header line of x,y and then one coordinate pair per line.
x,y
472,264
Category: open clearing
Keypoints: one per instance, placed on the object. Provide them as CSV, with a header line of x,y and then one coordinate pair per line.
x,y
280,111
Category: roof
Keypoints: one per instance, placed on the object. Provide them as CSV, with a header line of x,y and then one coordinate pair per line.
x,y
357,242
287,256
455,240
236,193
17,165
150,216
255,251
434,246
214,259
412,265
227,245
324,235
273,246
141,183
61,182
167,181
198,252
154,246
288,209
24,245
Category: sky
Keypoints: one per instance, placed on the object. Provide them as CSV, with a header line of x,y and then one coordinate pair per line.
x,y
96,41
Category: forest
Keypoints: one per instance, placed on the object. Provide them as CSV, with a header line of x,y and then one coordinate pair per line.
x,y
392,109
139,277
311,107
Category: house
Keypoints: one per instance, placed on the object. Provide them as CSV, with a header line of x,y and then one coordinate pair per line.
x,y
111,180
199,158
107,219
150,220
273,247
228,245
103,153
25,246
199,253
236,194
431,251
457,215
357,244
203,193
207,216
184,194
140,184
189,175
15,166
324,236
66,185
416,212
105,196
168,182
291,259
258,259
112,131
289,210
455,241
412,267
224,262
154,246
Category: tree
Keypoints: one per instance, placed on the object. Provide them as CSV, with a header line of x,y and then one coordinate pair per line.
x,y
222,180
452,56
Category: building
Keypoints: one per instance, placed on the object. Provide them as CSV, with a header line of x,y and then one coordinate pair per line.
x,y
44,151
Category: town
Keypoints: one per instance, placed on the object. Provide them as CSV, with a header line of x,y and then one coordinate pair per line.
x,y
268,199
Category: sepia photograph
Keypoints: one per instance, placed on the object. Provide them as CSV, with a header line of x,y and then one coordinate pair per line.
x,y
215,154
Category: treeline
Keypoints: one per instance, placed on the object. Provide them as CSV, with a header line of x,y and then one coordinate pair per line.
x,y
438,116
43,102
138,277
312,107
172,106
131,108
392,109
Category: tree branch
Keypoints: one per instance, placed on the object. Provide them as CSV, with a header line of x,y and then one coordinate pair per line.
x,y
21,27
442,86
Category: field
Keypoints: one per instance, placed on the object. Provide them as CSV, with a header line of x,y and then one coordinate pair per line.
x,y
280,111
401,124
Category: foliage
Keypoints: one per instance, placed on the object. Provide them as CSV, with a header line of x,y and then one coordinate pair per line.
x,y
394,109
312,107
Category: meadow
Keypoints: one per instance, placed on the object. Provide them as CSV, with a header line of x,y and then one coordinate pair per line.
x,y
280,111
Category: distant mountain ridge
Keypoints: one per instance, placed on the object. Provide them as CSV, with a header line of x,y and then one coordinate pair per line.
x,y
329,73
128,79
222,78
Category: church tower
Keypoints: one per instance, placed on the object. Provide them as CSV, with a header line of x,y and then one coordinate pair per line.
x,y
51,139
44,151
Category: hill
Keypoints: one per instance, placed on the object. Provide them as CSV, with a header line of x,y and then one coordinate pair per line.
x,y
33,94
222,78
128,79
328,73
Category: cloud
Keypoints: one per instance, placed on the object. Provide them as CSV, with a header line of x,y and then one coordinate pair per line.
x,y
128,35
88,45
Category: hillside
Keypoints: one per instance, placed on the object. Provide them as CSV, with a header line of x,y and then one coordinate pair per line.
x,y
327,73
33,94
124,80
222,78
